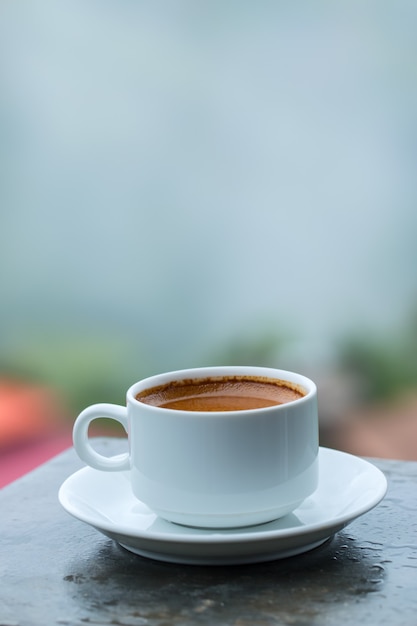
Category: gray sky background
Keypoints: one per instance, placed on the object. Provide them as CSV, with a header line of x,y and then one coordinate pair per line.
x,y
175,172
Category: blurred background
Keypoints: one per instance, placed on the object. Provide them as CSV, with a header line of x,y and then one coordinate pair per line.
x,y
190,183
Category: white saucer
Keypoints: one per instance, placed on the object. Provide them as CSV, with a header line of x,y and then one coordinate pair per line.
x,y
348,487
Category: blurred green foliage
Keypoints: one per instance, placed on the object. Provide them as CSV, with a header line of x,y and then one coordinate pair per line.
x,y
82,370
87,369
260,347
386,365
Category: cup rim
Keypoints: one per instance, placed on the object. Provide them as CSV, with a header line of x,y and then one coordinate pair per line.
x,y
223,370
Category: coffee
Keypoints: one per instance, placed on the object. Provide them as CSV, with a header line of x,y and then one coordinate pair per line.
x,y
222,393
197,467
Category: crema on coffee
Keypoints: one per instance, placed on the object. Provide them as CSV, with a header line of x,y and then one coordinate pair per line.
x,y
229,393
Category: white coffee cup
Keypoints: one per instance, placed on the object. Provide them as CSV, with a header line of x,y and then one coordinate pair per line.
x,y
222,469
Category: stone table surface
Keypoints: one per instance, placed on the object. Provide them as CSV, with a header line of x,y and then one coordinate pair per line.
x,y
57,570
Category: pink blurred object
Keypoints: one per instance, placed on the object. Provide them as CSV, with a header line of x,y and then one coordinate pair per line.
x,y
21,459
32,427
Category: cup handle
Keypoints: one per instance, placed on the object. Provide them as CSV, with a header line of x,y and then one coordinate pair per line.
x,y
82,443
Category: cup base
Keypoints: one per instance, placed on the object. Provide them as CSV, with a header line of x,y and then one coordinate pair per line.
x,y
225,521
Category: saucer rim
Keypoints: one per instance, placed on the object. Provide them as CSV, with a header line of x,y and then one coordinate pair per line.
x,y
235,535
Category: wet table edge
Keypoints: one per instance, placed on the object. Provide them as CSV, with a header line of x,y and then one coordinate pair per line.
x,y
57,570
